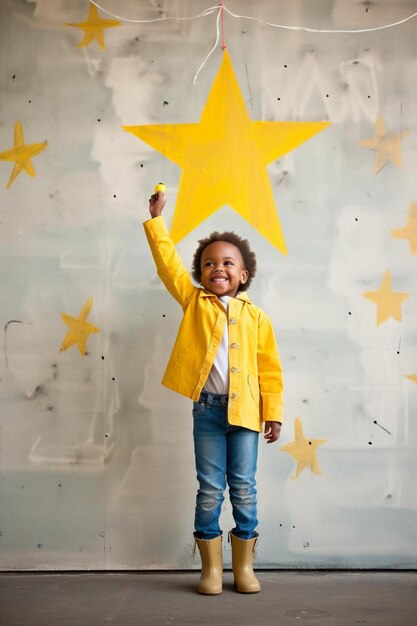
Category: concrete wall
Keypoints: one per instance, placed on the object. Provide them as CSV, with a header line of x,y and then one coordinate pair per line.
x,y
96,461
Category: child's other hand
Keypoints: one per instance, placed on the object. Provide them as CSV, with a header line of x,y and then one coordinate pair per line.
x,y
272,431
156,203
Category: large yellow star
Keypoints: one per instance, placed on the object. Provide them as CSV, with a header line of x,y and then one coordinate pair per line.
x,y
94,28
303,450
387,145
79,329
409,231
388,302
224,158
21,153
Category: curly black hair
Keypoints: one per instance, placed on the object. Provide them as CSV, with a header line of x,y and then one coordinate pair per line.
x,y
249,257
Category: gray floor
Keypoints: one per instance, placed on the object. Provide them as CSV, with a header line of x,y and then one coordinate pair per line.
x,y
130,599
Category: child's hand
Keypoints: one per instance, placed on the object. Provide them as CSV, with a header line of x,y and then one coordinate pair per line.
x,y
156,203
272,431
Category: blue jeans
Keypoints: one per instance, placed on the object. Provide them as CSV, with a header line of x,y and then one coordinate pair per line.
x,y
223,452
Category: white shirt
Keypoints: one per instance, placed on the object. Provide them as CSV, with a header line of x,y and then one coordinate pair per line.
x,y
218,378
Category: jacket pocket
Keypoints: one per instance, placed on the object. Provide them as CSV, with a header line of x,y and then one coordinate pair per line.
x,y
254,388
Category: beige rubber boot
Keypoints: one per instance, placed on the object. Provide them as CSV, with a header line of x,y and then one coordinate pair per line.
x,y
211,566
242,560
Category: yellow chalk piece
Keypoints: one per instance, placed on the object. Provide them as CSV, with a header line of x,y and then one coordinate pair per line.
x,y
388,302
93,28
21,153
79,329
303,450
387,145
160,187
412,377
224,159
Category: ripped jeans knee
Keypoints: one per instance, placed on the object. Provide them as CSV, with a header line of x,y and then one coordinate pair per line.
x,y
207,513
207,501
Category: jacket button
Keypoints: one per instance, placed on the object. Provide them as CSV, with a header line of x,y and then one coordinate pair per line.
x,y
233,320
234,370
233,396
235,346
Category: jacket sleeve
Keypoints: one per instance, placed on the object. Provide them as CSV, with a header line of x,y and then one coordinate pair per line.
x,y
169,265
269,372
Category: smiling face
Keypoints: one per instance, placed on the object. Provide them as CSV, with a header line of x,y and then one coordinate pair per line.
x,y
222,269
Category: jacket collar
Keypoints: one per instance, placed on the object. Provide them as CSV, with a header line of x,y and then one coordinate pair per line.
x,y
242,295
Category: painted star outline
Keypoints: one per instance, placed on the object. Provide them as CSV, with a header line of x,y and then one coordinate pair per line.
x,y
388,302
409,231
386,144
79,329
303,450
22,154
94,27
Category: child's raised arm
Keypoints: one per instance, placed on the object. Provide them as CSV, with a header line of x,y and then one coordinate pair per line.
x,y
168,262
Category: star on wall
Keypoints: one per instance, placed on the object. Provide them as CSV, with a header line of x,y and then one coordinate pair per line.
x,y
224,159
79,329
413,378
409,231
303,450
387,145
388,302
94,27
21,153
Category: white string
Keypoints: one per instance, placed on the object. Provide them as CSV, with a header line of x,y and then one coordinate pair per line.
x,y
213,48
208,11
211,10
320,30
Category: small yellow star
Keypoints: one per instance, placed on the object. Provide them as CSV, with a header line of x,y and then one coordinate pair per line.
x,y
387,145
388,302
224,159
409,231
21,153
79,329
94,28
412,377
303,450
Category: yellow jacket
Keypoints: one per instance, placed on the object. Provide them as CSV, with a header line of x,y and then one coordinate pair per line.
x,y
255,388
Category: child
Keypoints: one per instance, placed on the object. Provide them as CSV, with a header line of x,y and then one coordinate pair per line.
x,y
225,359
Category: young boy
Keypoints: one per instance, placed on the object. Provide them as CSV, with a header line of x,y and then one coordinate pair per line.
x,y
225,359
